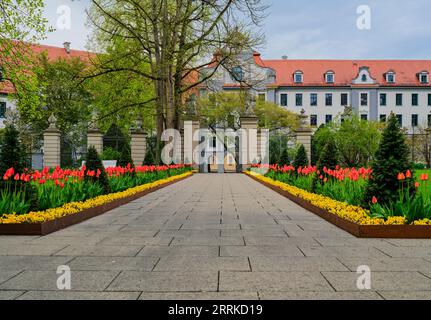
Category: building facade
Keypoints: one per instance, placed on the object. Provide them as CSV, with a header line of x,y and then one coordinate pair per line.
x,y
324,88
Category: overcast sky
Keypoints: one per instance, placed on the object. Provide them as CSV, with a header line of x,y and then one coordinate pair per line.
x,y
311,29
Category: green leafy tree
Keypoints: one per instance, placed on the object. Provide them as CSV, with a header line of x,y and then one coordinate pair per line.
x,y
284,158
301,159
392,158
94,163
356,140
22,24
12,152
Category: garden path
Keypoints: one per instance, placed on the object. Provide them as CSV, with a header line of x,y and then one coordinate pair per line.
x,y
212,237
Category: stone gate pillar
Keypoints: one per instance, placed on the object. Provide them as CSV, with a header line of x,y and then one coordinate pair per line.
x,y
248,141
138,146
191,140
95,138
304,134
52,144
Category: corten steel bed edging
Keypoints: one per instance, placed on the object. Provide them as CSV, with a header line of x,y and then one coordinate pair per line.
x,y
360,231
45,228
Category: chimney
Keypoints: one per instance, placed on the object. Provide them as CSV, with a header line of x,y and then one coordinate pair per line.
x,y
284,57
67,47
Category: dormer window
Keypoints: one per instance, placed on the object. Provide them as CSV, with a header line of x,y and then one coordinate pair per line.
x,y
390,77
364,78
424,77
329,77
237,74
298,77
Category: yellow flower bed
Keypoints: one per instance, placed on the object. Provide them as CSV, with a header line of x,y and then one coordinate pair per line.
x,y
341,209
76,207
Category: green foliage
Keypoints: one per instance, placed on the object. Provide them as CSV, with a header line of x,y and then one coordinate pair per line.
x,y
12,152
94,163
301,159
277,143
126,157
356,140
18,197
284,158
110,154
227,108
392,158
329,156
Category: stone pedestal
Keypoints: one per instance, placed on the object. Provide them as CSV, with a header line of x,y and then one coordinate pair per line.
x,y
138,145
304,134
95,139
51,148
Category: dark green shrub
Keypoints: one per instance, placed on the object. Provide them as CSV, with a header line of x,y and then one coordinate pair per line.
x,y
329,156
110,154
94,163
301,159
392,158
12,153
284,158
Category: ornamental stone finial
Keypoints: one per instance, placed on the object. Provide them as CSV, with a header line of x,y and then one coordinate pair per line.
x,y
52,120
303,119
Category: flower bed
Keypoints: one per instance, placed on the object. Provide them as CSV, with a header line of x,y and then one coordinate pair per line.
x,y
353,219
45,222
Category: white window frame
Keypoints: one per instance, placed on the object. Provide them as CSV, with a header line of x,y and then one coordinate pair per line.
x,y
287,99
391,74
360,99
330,74
298,73
424,74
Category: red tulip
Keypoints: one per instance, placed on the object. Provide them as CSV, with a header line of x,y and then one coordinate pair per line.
x,y
401,176
374,200
408,174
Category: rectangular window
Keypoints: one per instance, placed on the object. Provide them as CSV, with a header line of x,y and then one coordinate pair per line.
x,y
313,99
330,78
328,99
415,99
424,78
415,120
344,99
399,99
2,109
328,118
429,121
214,142
429,99
298,78
382,118
262,97
364,117
313,120
383,99
299,99
364,99
283,99
400,119
390,77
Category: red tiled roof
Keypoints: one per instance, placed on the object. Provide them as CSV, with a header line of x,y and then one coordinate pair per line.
x,y
346,70
54,53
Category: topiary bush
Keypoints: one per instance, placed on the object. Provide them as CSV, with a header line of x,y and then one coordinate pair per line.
x,y
329,156
12,152
301,159
110,154
94,163
284,158
392,158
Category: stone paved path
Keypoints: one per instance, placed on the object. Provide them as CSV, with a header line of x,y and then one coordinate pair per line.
x,y
212,237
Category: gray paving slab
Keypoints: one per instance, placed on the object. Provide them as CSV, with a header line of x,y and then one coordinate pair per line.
x,y
212,237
